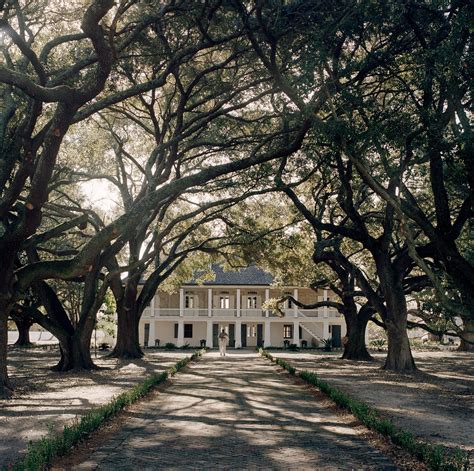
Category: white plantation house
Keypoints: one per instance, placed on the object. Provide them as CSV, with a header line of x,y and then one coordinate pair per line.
x,y
233,301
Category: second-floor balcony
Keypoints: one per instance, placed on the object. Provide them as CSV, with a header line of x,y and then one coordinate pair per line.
x,y
243,313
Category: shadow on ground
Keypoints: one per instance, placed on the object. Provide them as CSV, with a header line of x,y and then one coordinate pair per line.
x,y
235,413
436,403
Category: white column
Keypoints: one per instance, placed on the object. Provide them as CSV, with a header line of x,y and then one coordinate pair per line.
x,y
237,304
209,335
157,304
180,333
267,340
325,329
238,334
181,302
296,332
295,307
325,308
151,340
152,307
267,297
209,303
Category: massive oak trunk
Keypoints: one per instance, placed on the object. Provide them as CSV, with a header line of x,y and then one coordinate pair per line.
x,y
467,339
128,317
127,345
354,347
74,340
23,325
4,383
75,353
399,357
6,279
75,344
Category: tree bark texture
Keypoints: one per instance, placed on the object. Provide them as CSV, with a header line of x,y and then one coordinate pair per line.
x,y
128,318
4,383
355,347
75,353
127,345
23,325
467,339
399,357
6,279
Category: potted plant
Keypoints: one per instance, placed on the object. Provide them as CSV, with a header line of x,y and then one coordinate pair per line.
x,y
327,344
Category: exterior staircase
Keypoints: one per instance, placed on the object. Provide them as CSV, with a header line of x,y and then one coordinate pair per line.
x,y
306,328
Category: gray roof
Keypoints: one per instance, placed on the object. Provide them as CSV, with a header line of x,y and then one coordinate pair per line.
x,y
251,275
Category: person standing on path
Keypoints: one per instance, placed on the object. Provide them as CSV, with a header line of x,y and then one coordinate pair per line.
x,y
223,337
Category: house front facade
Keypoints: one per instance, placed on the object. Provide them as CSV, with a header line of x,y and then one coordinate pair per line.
x,y
233,301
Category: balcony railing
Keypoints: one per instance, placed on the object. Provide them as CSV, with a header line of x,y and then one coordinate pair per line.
x,y
252,313
244,313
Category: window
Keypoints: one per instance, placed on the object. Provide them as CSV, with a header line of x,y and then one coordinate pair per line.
x,y
251,302
288,331
251,330
188,331
224,302
189,301
176,331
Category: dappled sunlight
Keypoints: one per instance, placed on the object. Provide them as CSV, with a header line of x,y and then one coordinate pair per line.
x,y
45,398
434,402
238,413
339,429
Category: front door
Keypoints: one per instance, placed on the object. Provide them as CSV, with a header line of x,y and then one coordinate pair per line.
x,y
215,335
231,335
146,338
243,333
259,335
336,336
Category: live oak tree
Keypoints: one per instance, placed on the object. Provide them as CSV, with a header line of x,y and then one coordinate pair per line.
x,y
443,149
338,51
32,132
434,171
216,89
413,116
389,109
189,123
175,48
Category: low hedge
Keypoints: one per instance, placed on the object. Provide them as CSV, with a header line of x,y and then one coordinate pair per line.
x,y
279,361
41,453
436,457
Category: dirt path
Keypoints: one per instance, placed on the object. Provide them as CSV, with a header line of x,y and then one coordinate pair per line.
x,y
435,404
235,413
46,400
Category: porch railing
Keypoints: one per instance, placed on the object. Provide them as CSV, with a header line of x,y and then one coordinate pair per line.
x,y
244,313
